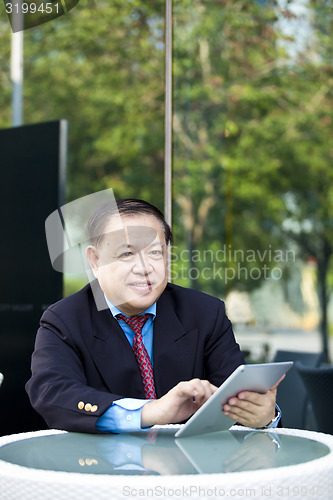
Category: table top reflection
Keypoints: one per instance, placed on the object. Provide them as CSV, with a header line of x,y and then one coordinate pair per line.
x,y
158,452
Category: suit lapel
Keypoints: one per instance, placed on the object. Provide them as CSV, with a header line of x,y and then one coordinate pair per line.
x,y
113,355
174,348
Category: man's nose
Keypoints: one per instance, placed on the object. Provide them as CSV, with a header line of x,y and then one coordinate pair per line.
x,y
141,264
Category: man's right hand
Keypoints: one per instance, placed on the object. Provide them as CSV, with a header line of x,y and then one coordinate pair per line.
x,y
178,404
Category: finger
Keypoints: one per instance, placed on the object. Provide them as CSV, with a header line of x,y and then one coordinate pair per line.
x,y
208,387
249,397
186,389
277,383
256,403
256,397
236,415
240,411
204,391
213,388
248,413
197,389
243,417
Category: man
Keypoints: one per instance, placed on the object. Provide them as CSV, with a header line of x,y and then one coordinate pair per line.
x,y
90,373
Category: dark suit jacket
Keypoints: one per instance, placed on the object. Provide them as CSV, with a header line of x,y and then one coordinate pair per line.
x,y
82,360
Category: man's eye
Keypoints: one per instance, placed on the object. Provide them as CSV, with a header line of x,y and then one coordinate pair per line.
x,y
126,255
156,253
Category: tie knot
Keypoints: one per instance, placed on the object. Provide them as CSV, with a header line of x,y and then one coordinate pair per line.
x,y
135,322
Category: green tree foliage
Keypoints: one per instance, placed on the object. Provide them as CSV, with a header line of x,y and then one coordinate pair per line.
x,y
225,63
101,67
253,145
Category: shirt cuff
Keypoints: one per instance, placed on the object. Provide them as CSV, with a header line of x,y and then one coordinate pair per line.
x,y
275,422
124,415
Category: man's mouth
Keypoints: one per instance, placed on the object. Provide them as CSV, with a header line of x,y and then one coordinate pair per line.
x,y
146,285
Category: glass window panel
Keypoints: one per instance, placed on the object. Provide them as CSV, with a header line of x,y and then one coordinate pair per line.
x,y
252,159
100,66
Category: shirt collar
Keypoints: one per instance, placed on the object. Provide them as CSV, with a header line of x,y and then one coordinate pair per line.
x,y
114,309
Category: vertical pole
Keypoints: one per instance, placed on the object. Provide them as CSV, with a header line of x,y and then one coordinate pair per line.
x,y
17,78
168,117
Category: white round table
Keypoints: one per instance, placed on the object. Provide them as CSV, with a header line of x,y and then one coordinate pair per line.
x,y
273,464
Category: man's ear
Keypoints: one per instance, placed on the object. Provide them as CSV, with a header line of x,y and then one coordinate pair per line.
x,y
93,259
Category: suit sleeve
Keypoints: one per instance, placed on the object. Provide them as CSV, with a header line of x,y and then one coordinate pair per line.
x,y
58,387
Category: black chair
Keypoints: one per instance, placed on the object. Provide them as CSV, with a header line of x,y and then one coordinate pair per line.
x,y
292,396
319,385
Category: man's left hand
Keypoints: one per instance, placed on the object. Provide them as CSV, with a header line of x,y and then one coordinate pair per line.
x,y
252,409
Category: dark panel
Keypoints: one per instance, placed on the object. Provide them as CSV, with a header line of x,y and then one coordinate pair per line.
x,y
33,161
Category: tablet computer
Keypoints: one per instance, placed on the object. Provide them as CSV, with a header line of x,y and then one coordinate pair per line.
x,y
256,378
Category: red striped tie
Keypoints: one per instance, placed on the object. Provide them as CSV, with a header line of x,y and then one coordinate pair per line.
x,y
141,355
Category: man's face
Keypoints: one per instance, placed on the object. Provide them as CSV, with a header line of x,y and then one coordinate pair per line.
x,y
131,262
